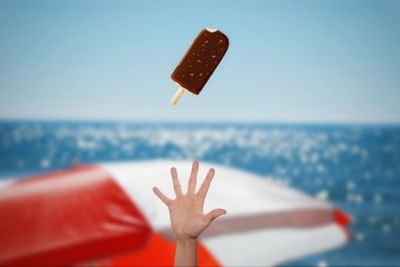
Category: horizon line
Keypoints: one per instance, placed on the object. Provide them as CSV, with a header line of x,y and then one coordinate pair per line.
x,y
237,122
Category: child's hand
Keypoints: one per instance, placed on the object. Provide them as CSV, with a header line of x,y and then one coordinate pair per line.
x,y
186,211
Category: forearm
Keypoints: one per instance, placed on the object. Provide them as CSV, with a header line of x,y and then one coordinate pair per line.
x,y
186,213
186,252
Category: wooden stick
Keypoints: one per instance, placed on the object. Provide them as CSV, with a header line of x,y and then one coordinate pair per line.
x,y
177,95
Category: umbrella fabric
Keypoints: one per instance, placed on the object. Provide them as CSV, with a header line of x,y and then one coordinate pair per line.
x,y
68,217
267,222
107,214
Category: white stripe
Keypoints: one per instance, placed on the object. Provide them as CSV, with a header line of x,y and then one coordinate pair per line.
x,y
273,247
239,192
7,182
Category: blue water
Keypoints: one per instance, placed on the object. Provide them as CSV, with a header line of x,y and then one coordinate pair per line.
x,y
355,167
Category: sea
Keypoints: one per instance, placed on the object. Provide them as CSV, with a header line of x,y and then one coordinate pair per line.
x,y
356,167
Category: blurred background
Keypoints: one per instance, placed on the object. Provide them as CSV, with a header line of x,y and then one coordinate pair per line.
x,y
308,93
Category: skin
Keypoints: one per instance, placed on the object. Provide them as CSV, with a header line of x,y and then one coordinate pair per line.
x,y
186,213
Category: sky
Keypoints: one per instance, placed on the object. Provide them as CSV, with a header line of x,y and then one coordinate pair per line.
x,y
288,61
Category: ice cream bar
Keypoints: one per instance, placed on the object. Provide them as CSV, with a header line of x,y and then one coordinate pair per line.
x,y
199,62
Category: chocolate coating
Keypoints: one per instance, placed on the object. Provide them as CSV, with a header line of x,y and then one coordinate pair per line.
x,y
200,61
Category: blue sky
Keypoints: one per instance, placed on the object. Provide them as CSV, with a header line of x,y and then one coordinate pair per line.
x,y
288,61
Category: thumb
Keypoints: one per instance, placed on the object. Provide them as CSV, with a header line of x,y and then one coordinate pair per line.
x,y
212,215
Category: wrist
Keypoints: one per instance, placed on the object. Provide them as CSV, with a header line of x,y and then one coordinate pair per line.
x,y
186,240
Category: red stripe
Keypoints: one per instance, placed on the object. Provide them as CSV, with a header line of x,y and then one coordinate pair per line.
x,y
66,217
300,218
343,220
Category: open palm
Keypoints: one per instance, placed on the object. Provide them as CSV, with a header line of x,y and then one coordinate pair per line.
x,y
186,210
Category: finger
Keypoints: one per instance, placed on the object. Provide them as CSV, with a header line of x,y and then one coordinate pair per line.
x,y
193,177
175,181
212,215
161,196
206,183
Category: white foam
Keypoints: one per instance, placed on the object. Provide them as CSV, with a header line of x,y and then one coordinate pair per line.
x,y
350,185
322,264
386,228
378,198
322,195
359,237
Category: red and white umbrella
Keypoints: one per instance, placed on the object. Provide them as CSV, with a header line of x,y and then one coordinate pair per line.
x,y
108,214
